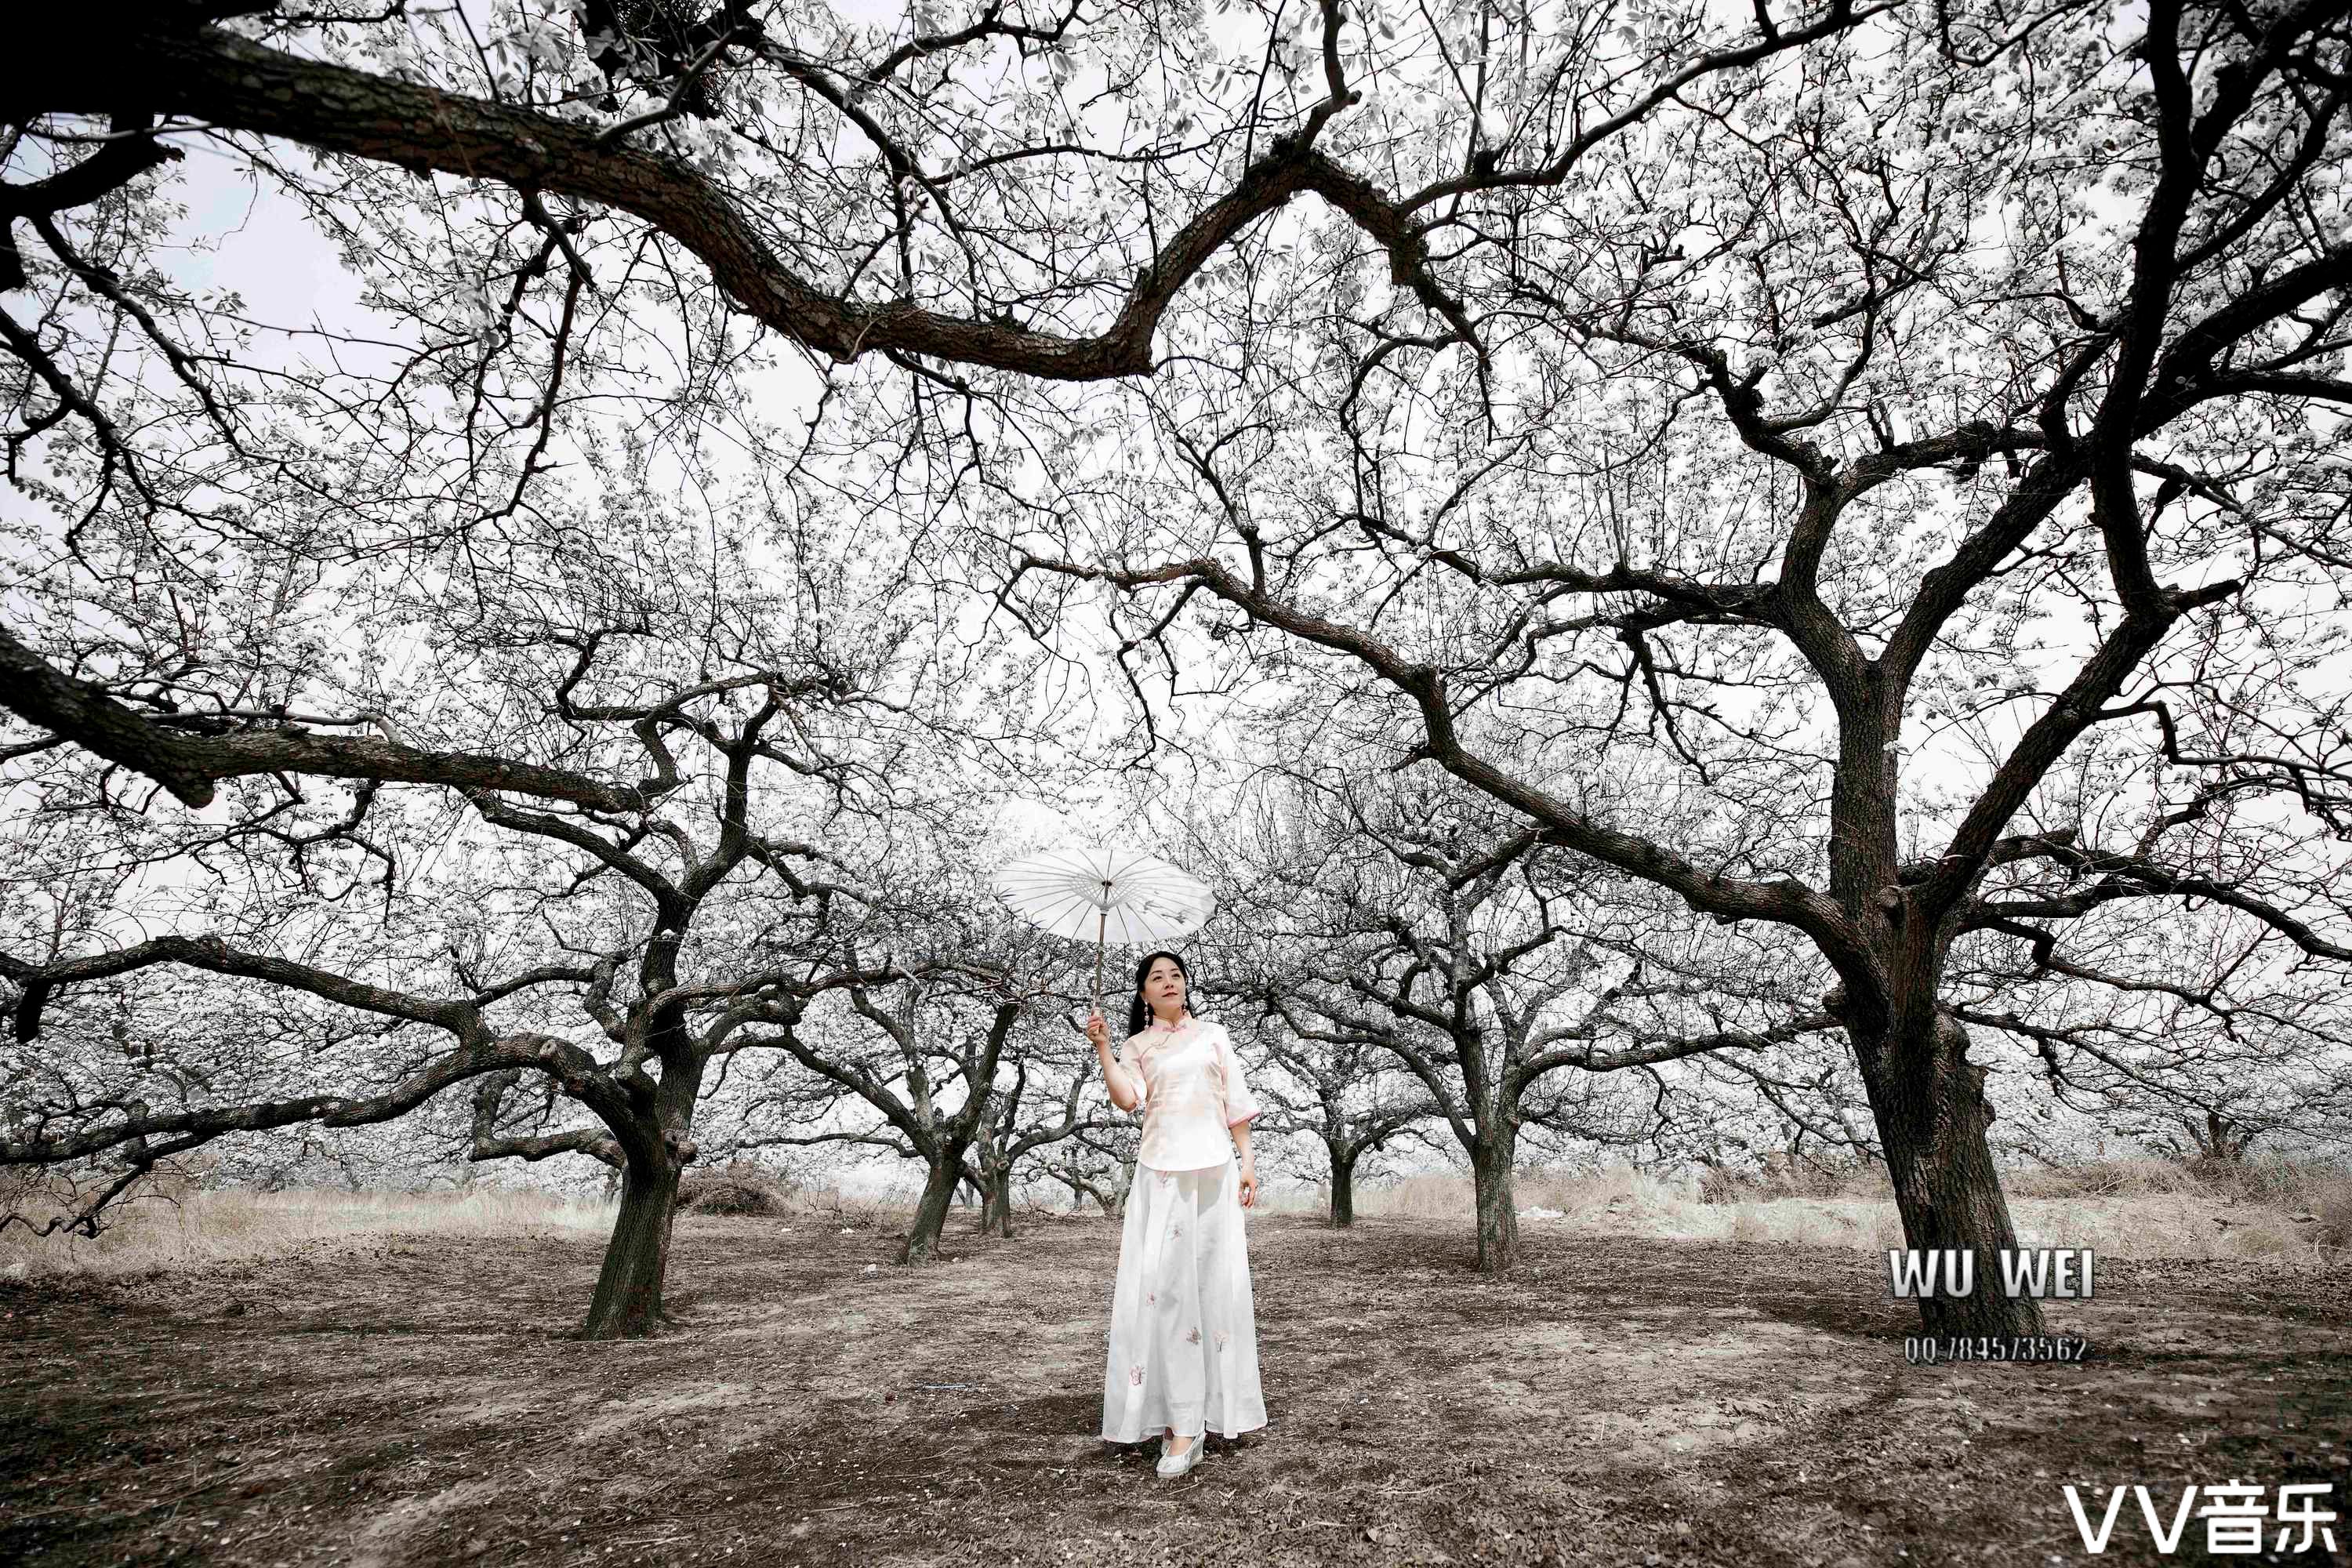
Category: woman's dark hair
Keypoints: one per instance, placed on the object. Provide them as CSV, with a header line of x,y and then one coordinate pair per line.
x,y
1138,1013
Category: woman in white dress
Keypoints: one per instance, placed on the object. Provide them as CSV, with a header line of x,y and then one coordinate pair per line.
x,y
1183,1326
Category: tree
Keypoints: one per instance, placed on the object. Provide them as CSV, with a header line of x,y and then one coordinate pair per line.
x,y
936,1068
1696,384
1005,1139
1346,1100
573,251
914,1124
1263,945
1842,456
1499,976
617,957
1091,1167
925,1130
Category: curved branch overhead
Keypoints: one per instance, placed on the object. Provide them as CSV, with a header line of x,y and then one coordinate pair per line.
x,y
189,763
209,74
164,64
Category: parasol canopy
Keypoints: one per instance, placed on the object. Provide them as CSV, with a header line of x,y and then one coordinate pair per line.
x,y
1110,895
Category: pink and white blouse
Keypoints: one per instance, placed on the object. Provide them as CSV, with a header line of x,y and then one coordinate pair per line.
x,y
1194,1092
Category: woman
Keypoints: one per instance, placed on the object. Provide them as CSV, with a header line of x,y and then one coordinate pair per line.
x,y
1183,1327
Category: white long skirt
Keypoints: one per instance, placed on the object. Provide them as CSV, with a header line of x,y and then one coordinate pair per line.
x,y
1183,1326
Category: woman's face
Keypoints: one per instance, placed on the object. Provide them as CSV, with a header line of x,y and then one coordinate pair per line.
x,y
1163,987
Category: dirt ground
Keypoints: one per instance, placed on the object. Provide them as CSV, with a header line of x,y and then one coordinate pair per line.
x,y
1616,1400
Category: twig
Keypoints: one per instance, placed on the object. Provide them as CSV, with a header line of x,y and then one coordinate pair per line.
x,y
669,111
540,216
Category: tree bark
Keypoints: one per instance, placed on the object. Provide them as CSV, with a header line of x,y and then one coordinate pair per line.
x,y
628,1299
996,1207
931,1211
1498,1214
1343,1189
1932,1116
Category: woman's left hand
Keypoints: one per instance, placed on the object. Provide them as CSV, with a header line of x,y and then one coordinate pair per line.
x,y
1249,1185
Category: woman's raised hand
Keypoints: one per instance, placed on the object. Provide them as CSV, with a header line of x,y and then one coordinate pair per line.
x,y
1098,1032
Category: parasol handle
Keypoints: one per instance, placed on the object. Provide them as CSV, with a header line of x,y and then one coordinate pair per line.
x,y
1102,919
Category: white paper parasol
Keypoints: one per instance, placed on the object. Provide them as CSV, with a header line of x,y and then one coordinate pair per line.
x,y
1087,890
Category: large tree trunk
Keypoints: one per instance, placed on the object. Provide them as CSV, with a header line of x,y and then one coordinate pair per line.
x,y
931,1211
654,1152
628,1299
997,1208
1343,1188
1498,1214
1932,1114
1926,1096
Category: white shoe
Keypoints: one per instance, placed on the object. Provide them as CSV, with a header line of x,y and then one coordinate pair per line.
x,y
1168,1470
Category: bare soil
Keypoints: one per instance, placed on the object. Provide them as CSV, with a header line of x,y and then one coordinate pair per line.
x,y
1616,1400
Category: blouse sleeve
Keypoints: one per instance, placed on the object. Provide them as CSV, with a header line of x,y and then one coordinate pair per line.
x,y
1128,1059
1240,1104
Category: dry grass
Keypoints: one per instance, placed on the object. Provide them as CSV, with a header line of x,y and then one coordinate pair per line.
x,y
172,1224
156,1235
2135,1209
2131,1209
738,1187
